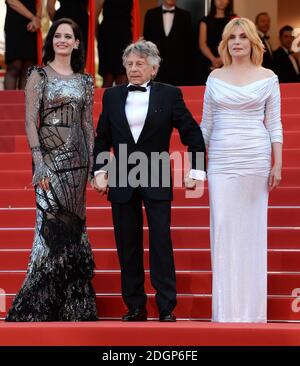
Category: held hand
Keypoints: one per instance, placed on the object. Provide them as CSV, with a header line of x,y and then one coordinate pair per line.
x,y
31,27
100,183
275,177
189,183
217,62
44,184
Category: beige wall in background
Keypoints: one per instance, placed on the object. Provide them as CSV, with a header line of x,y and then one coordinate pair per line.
x,y
251,8
289,13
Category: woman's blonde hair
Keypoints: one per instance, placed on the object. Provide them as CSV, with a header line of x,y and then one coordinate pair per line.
x,y
257,47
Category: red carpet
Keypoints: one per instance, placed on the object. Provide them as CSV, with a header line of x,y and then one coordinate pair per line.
x,y
190,222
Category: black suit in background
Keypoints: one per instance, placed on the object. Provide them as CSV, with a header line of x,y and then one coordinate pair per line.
x,y
166,110
268,56
177,50
284,68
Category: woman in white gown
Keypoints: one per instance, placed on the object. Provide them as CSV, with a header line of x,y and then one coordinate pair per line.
x,y
241,126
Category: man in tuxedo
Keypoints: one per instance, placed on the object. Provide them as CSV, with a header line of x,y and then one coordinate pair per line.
x,y
170,28
263,23
286,65
139,118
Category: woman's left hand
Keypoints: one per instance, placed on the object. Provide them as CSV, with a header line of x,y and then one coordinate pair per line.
x,y
275,177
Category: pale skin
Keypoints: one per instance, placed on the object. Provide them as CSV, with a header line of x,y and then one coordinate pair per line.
x,y
215,61
242,72
138,71
63,44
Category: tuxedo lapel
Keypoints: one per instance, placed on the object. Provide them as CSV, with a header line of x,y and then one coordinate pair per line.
x,y
154,102
123,119
160,23
175,22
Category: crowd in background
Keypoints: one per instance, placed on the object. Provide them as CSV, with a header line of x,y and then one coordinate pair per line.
x,y
187,58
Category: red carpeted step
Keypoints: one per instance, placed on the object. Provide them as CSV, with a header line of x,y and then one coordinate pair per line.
x,y
183,238
188,282
22,160
194,259
288,106
17,127
194,307
12,97
181,216
7,144
183,333
290,91
282,196
19,143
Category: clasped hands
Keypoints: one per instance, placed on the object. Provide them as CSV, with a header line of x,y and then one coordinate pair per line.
x,y
34,24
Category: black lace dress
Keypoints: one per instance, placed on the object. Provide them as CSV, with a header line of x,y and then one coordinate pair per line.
x,y
59,128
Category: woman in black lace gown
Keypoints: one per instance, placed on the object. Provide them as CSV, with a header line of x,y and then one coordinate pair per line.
x,y
59,126
22,21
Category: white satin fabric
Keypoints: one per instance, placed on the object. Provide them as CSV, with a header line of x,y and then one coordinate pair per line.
x,y
239,125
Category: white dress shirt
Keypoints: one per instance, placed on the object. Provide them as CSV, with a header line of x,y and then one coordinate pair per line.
x,y
136,108
168,19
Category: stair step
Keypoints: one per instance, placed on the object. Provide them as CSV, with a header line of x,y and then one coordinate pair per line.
x,y
186,282
18,143
22,160
16,197
188,307
182,238
196,260
101,216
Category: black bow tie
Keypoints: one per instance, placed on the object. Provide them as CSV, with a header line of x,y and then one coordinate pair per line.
x,y
136,88
168,11
266,37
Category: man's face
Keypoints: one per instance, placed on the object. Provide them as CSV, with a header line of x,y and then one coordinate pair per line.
x,y
287,39
138,69
169,3
263,23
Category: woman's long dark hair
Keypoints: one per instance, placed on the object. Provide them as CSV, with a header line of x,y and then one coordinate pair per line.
x,y
77,58
228,9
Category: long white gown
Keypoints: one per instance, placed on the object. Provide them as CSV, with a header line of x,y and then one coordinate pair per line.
x,y
239,125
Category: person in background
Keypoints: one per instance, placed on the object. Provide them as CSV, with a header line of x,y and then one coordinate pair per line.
x,y
23,19
113,36
210,34
286,65
170,28
263,24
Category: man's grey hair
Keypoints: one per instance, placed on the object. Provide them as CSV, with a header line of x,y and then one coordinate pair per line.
x,y
144,49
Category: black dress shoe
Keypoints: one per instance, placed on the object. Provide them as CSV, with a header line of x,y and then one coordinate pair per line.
x,y
135,315
167,317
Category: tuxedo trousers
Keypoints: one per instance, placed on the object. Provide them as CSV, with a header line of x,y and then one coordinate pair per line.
x,y
128,227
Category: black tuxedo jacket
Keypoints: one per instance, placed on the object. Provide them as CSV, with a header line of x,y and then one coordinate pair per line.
x,y
177,50
284,67
166,110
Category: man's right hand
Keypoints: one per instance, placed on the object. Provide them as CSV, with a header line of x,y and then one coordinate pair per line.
x,y
100,183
